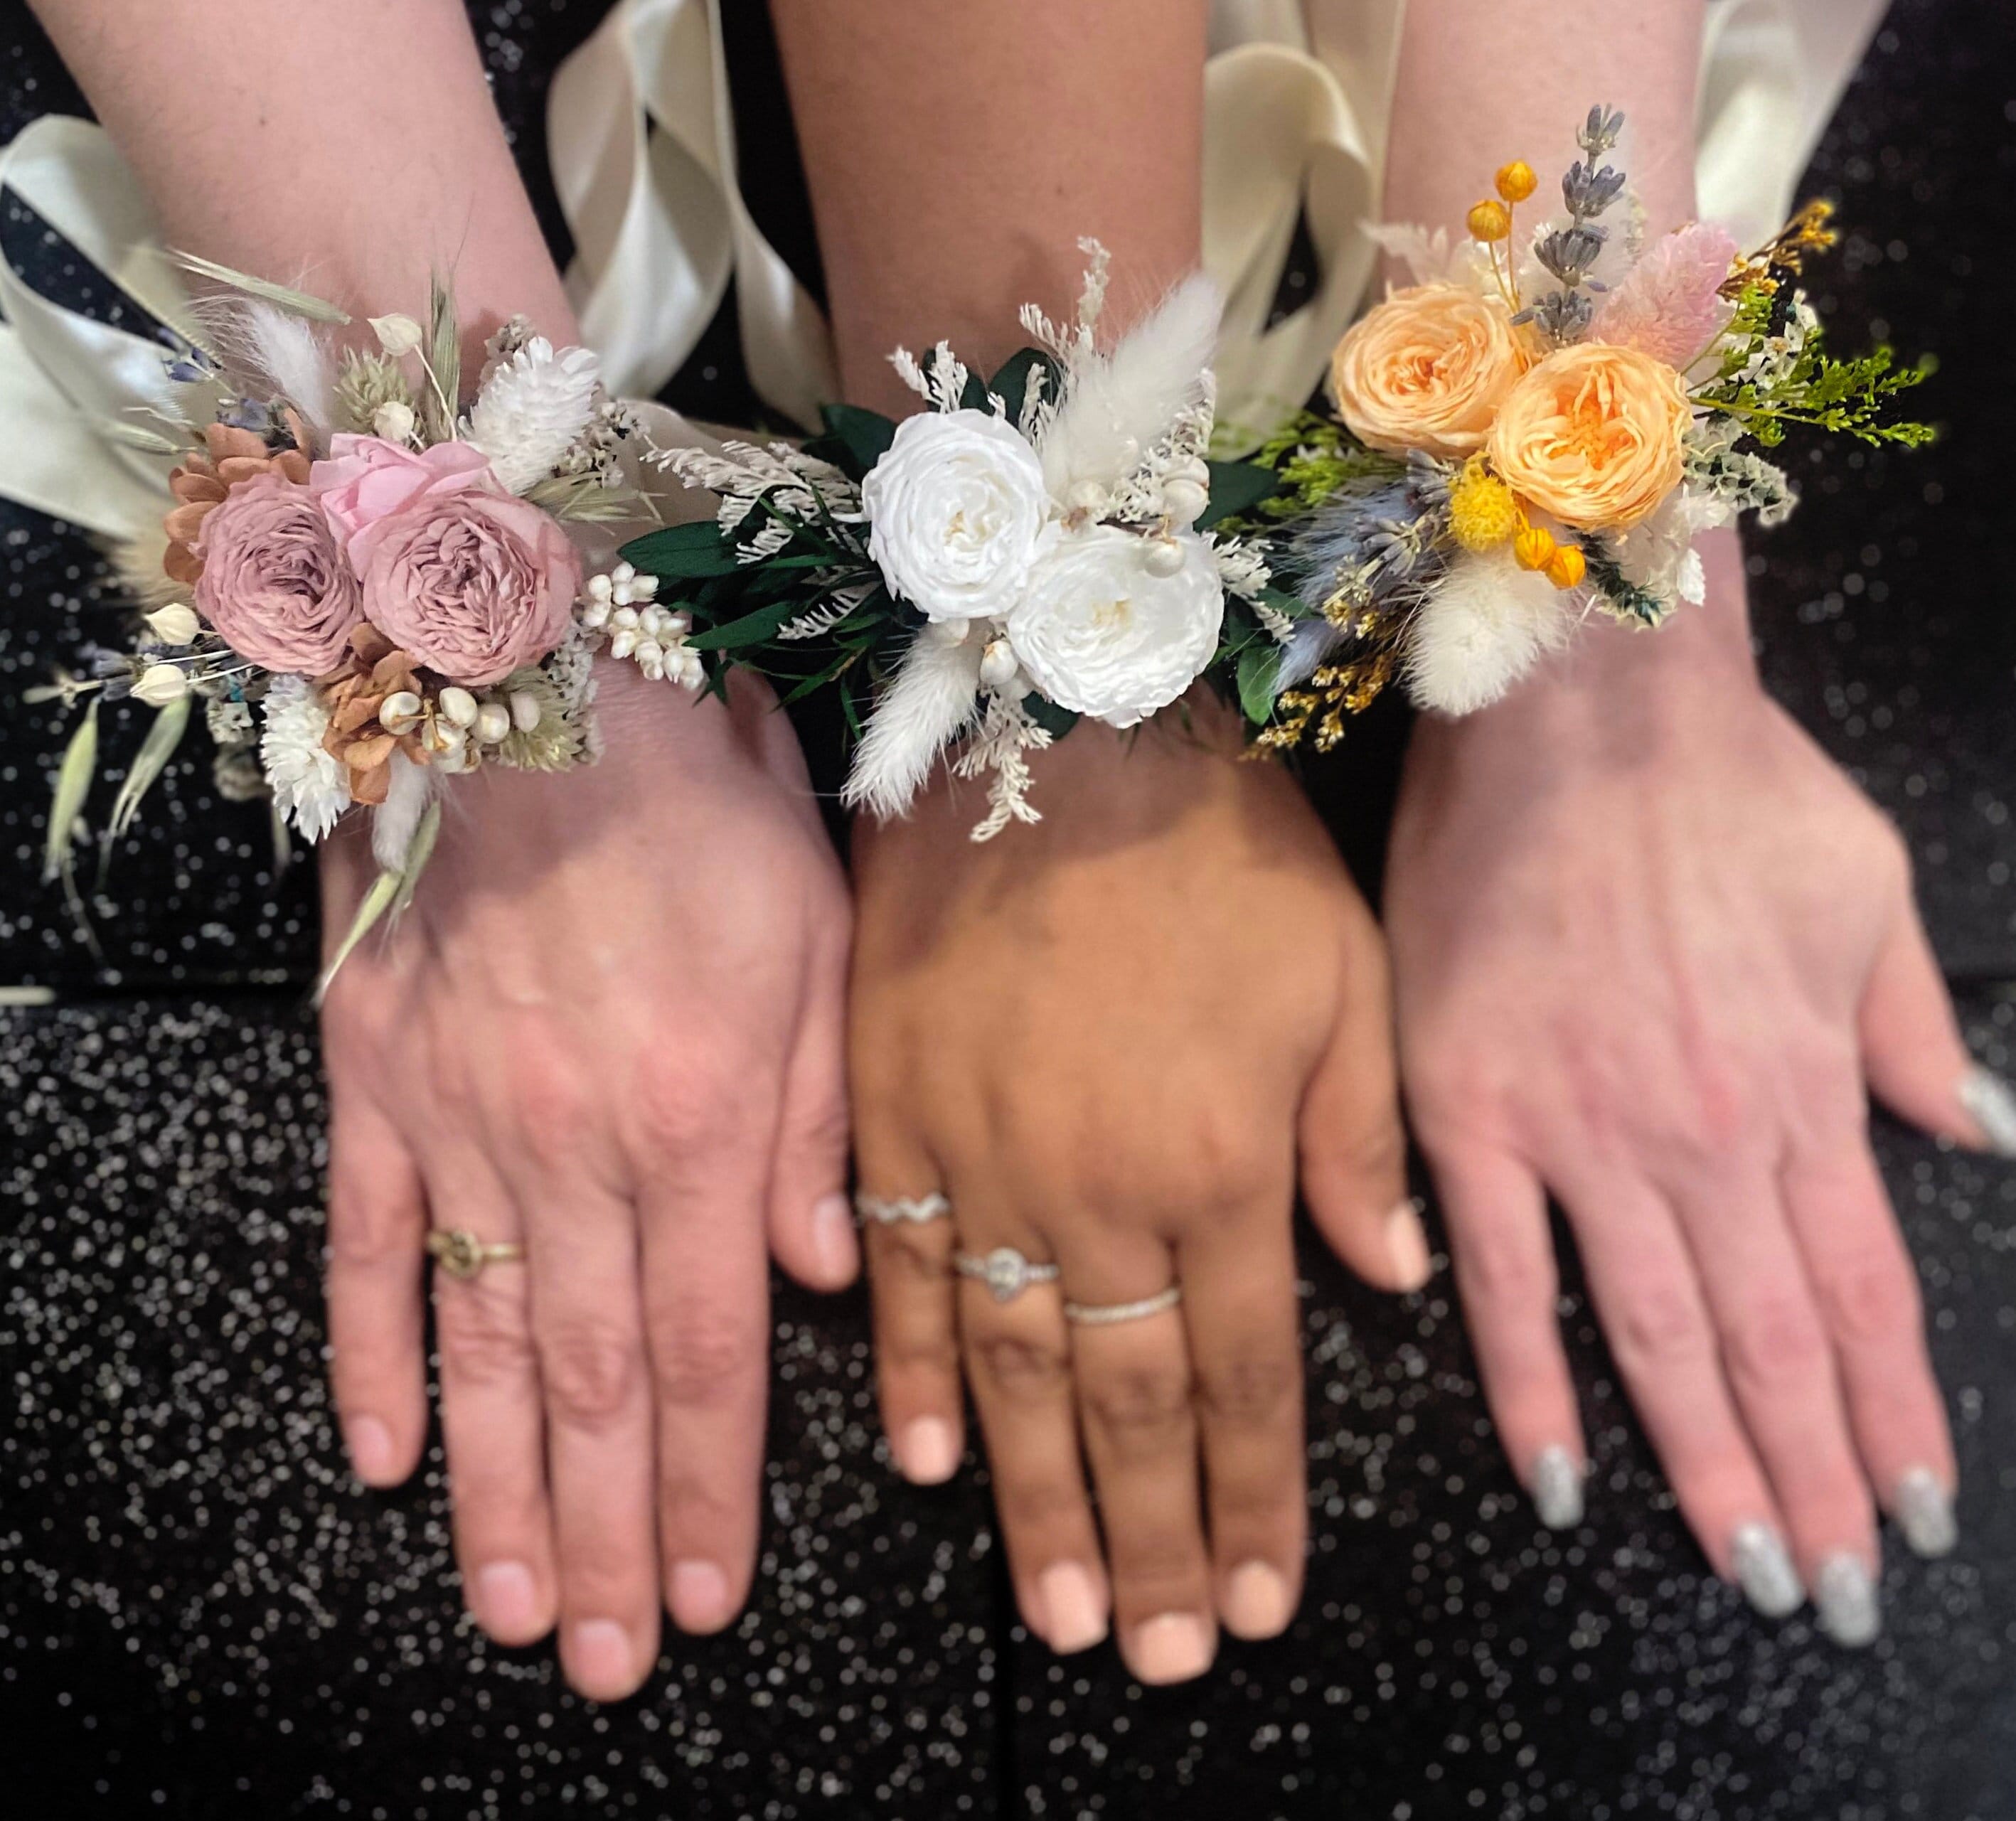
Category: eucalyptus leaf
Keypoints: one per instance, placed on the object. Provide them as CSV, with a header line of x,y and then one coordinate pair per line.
x,y
1259,674
683,553
864,435
750,629
1236,488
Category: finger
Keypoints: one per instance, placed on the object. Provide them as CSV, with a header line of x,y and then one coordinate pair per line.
x,y
1780,1366
493,1426
1916,1062
910,1269
377,1233
1503,1255
707,1318
1240,1315
811,1223
1354,1152
1664,1340
1868,1294
588,1329
1135,1401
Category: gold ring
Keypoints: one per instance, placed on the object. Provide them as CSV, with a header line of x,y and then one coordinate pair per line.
x,y
462,1254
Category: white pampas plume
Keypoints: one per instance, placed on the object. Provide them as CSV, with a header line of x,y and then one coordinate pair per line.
x,y
276,346
933,699
393,823
1116,407
532,408
1485,624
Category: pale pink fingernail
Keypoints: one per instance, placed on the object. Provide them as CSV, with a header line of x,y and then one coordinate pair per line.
x,y
369,1443
1257,1604
599,1656
507,1602
1074,1610
1173,1647
698,1597
833,1243
927,1451
1407,1248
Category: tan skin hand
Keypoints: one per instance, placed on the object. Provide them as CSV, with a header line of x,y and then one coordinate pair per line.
x,y
610,1029
1115,1040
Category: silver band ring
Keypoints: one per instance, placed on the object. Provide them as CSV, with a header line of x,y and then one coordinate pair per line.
x,y
462,1255
1004,1270
1095,1314
902,1207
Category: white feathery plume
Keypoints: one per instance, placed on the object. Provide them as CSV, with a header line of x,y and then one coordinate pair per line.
x,y
1116,407
932,700
1485,623
285,351
411,788
531,408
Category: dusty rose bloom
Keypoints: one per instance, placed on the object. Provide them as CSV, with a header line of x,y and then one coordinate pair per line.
x,y
364,481
275,584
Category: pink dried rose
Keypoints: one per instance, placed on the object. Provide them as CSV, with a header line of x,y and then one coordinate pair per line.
x,y
1668,305
475,584
274,583
364,481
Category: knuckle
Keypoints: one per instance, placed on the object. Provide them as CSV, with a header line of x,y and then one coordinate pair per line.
x,y
1656,1327
683,1112
702,1358
1019,1365
1253,1388
1144,1403
548,1099
1775,1340
592,1374
1870,1296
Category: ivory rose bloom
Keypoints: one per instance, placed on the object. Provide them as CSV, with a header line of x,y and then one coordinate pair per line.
x,y
1594,436
955,506
1100,633
274,584
1427,369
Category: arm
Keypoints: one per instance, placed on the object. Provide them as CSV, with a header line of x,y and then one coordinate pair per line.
x,y
531,1057
1638,873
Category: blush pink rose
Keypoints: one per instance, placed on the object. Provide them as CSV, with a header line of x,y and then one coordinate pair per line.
x,y
473,583
275,585
364,481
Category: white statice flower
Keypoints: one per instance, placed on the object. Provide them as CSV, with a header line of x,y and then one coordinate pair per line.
x,y
531,408
955,506
311,787
1099,632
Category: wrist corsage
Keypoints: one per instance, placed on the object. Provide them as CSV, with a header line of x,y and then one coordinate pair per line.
x,y
1540,425
366,589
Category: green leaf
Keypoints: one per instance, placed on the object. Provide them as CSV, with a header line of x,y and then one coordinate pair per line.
x,y
865,435
1236,488
377,901
297,303
1056,721
444,359
1259,673
684,552
166,734
750,629
419,851
80,762
1011,384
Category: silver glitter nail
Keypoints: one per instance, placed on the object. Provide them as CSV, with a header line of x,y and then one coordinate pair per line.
x,y
1992,1102
1925,1513
1764,1570
1557,1489
1845,1597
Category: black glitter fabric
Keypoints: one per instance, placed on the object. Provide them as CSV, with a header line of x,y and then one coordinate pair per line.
x,y
201,1616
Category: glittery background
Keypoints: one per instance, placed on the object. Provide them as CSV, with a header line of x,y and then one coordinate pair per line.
x,y
200,1616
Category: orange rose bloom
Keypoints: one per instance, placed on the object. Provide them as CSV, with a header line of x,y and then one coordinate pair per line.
x,y
1427,369
1593,435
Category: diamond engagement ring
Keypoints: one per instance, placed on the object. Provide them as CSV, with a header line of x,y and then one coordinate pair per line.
x,y
1094,1315
462,1255
1004,1270
902,1207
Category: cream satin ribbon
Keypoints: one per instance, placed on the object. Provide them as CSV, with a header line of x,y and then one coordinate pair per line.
x,y
1298,97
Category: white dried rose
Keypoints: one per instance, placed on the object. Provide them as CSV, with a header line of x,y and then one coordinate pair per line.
x,y
1101,633
956,505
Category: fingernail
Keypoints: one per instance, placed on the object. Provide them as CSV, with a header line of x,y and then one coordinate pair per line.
x,y
697,1597
1845,1597
1764,1570
1925,1513
507,1601
834,1242
1074,1613
1173,1647
1557,1489
599,1654
369,1443
1407,1248
1992,1102
927,1451
1256,1601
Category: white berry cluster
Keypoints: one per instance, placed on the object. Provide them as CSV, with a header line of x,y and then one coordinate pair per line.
x,y
622,605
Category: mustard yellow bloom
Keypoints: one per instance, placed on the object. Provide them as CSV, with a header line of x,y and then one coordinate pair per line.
x,y
1517,182
1490,220
1534,547
1567,566
1482,512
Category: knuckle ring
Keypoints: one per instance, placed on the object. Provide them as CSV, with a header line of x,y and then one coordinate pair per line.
x,y
462,1255
1094,1315
1004,1270
919,1208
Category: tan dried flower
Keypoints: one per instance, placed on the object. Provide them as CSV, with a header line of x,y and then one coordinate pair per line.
x,y
229,456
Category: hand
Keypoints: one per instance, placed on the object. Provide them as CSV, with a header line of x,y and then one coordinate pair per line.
x,y
1648,946
1111,1040
609,1028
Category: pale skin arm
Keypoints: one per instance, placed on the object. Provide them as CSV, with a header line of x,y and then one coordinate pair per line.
x,y
611,1026
1088,1033
1651,949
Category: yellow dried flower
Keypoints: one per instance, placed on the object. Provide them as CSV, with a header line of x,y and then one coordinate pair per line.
x,y
1517,182
1483,512
1567,566
1490,220
1534,547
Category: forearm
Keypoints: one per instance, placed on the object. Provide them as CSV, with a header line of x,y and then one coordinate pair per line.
x,y
955,163
353,148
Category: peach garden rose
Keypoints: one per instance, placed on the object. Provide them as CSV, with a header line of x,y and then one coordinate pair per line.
x,y
1427,369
